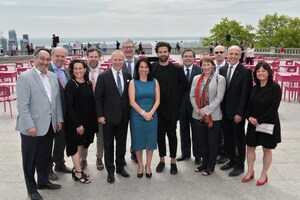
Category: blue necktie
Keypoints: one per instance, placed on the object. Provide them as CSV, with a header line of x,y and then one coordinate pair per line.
x,y
188,74
119,83
129,67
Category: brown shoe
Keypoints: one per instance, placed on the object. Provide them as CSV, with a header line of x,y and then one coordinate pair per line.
x,y
83,164
52,176
99,164
63,169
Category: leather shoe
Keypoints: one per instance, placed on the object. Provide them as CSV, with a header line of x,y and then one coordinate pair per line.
x,y
63,169
182,157
49,186
99,164
227,166
111,178
197,161
52,175
173,169
35,196
160,167
123,172
236,171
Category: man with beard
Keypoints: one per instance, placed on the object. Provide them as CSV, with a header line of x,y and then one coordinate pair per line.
x,y
173,84
93,60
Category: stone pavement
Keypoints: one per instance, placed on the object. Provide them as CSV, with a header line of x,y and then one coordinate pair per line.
x,y
284,173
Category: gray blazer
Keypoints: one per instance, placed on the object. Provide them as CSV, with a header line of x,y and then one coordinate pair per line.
x,y
34,107
217,87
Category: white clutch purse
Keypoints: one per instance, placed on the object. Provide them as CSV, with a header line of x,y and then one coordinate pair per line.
x,y
265,128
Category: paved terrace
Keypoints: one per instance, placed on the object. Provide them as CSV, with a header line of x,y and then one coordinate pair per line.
x,y
284,174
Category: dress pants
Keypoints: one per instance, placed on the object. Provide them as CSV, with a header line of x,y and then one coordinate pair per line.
x,y
36,155
208,142
167,126
187,125
113,132
59,148
234,141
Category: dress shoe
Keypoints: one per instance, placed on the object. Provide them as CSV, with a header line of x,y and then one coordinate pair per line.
x,y
173,169
182,157
99,164
222,160
35,196
140,175
83,164
49,186
236,171
63,169
111,178
133,157
200,168
197,161
123,172
160,167
227,166
246,180
263,182
52,175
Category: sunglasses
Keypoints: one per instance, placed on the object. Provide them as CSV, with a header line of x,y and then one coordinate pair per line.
x,y
219,52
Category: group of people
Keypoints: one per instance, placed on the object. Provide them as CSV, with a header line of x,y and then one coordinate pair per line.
x,y
71,103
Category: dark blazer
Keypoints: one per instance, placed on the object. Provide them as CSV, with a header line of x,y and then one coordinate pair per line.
x,y
61,89
237,94
109,103
178,85
125,69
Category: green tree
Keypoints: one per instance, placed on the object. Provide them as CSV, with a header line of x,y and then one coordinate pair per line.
x,y
229,27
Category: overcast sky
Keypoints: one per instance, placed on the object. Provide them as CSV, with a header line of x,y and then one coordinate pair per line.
x,y
138,18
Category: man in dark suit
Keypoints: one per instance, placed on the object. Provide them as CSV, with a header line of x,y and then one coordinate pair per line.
x,y
128,49
58,56
173,84
186,110
112,108
40,116
239,84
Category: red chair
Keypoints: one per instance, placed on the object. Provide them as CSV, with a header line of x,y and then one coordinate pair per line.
x,y
19,64
21,70
293,86
291,69
3,68
289,62
31,63
5,97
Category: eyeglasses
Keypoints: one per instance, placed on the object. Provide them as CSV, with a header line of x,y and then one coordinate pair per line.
x,y
128,47
219,52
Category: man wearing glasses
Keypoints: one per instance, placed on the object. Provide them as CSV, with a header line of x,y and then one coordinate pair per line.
x,y
220,54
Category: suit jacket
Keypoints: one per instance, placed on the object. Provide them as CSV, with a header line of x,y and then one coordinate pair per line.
x,y
216,91
125,69
109,103
186,103
237,94
34,107
61,89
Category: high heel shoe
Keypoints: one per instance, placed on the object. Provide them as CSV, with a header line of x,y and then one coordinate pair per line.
x,y
83,177
263,182
246,180
140,175
148,175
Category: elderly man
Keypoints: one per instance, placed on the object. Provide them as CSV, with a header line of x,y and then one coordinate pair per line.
x,y
239,84
187,124
40,117
58,56
128,49
93,61
112,109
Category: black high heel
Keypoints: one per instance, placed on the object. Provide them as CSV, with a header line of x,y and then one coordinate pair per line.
x,y
148,175
83,178
140,175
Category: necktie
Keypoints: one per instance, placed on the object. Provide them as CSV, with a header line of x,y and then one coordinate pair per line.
x,y
229,76
188,74
93,78
61,78
129,66
119,83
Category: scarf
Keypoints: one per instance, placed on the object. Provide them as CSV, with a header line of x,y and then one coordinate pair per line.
x,y
201,100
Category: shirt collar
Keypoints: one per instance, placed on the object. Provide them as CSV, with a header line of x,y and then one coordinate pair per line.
x,y
55,67
39,72
115,71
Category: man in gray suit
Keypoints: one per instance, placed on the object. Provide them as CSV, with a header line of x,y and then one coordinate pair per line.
x,y
128,49
58,57
40,116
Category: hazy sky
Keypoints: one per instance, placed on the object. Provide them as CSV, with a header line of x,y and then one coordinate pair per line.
x,y
139,18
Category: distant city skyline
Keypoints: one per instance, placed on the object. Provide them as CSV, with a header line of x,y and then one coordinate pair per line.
x,y
132,18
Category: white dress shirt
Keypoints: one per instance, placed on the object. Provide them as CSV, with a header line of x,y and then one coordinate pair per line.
x,y
46,82
115,77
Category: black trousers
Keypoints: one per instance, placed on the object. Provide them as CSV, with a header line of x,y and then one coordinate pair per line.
x,y
113,132
208,142
59,148
167,126
187,125
36,155
234,141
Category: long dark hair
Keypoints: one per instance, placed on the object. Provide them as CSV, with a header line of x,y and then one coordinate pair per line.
x,y
71,68
267,67
137,67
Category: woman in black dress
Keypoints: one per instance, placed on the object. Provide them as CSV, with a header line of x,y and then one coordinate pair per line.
x,y
81,122
262,108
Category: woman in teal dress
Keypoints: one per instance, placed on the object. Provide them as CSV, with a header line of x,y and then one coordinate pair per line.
x,y
144,98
